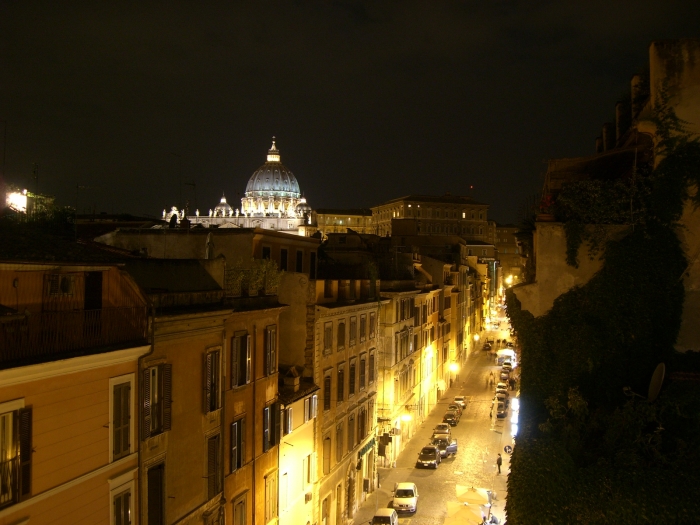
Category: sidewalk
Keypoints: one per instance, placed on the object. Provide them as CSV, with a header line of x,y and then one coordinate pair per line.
x,y
479,458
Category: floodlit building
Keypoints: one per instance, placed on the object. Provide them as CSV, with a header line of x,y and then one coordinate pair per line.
x,y
71,336
339,221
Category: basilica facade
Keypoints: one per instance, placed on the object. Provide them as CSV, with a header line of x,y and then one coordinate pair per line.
x,y
272,201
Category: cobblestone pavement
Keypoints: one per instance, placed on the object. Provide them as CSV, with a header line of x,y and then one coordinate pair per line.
x,y
479,440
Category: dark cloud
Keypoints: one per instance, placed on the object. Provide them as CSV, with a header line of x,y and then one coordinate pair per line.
x,y
369,100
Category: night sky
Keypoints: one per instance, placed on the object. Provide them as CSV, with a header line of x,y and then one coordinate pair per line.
x,y
368,100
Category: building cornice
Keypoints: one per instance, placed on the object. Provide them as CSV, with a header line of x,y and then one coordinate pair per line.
x,y
26,374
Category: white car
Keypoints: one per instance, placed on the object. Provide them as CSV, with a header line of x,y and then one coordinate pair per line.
x,y
385,517
405,497
461,401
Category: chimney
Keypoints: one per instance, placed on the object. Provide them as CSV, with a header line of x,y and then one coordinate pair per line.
x,y
619,115
292,379
636,89
608,136
599,144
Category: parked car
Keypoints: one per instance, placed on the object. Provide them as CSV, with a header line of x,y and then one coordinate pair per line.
x,y
510,344
451,417
385,517
461,401
442,428
504,376
502,386
446,446
456,407
501,410
504,392
502,398
487,346
405,497
429,456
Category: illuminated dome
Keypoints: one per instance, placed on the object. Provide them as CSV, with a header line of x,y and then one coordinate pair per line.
x,y
223,209
272,190
303,207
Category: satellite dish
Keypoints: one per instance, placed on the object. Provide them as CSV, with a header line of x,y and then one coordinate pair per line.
x,y
657,380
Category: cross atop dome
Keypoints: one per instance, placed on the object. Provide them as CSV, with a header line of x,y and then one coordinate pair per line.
x,y
273,154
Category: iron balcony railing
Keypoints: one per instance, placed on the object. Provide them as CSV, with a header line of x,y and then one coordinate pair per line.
x,y
9,481
39,335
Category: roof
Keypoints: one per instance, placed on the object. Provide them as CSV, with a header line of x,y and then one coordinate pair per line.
x,y
341,211
447,198
384,512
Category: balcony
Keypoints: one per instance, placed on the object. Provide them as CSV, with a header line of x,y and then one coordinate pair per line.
x,y
42,336
9,481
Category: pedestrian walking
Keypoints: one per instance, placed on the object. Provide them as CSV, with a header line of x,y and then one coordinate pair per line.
x,y
499,462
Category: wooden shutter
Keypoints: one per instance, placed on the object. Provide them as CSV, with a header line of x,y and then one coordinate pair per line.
x,y
266,429
276,414
146,413
167,378
327,392
208,365
25,452
235,360
234,446
121,508
326,455
248,359
213,466
121,424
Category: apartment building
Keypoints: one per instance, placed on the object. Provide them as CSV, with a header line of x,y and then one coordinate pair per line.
x,y
346,337
71,336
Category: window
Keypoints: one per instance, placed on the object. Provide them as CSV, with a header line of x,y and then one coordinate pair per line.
x,y
266,252
307,469
326,454
371,367
353,330
351,432
157,388
327,338
373,323
339,442
60,284
341,335
214,479
341,383
362,424
363,327
284,256
288,420
271,349
237,444
271,495
121,416
310,407
327,391
312,266
15,452
351,384
271,426
156,495
328,288
300,261
363,371
121,506
240,359
212,381
239,511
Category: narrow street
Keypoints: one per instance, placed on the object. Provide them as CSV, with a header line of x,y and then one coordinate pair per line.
x,y
479,442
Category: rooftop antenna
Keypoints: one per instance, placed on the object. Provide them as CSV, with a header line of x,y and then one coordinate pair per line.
x,y
657,380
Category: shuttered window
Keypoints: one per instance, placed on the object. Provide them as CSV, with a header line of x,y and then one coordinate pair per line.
x,y
240,360
237,444
341,383
121,420
271,349
213,466
326,455
156,400
121,504
271,426
156,494
327,391
212,381
271,495
351,382
15,456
